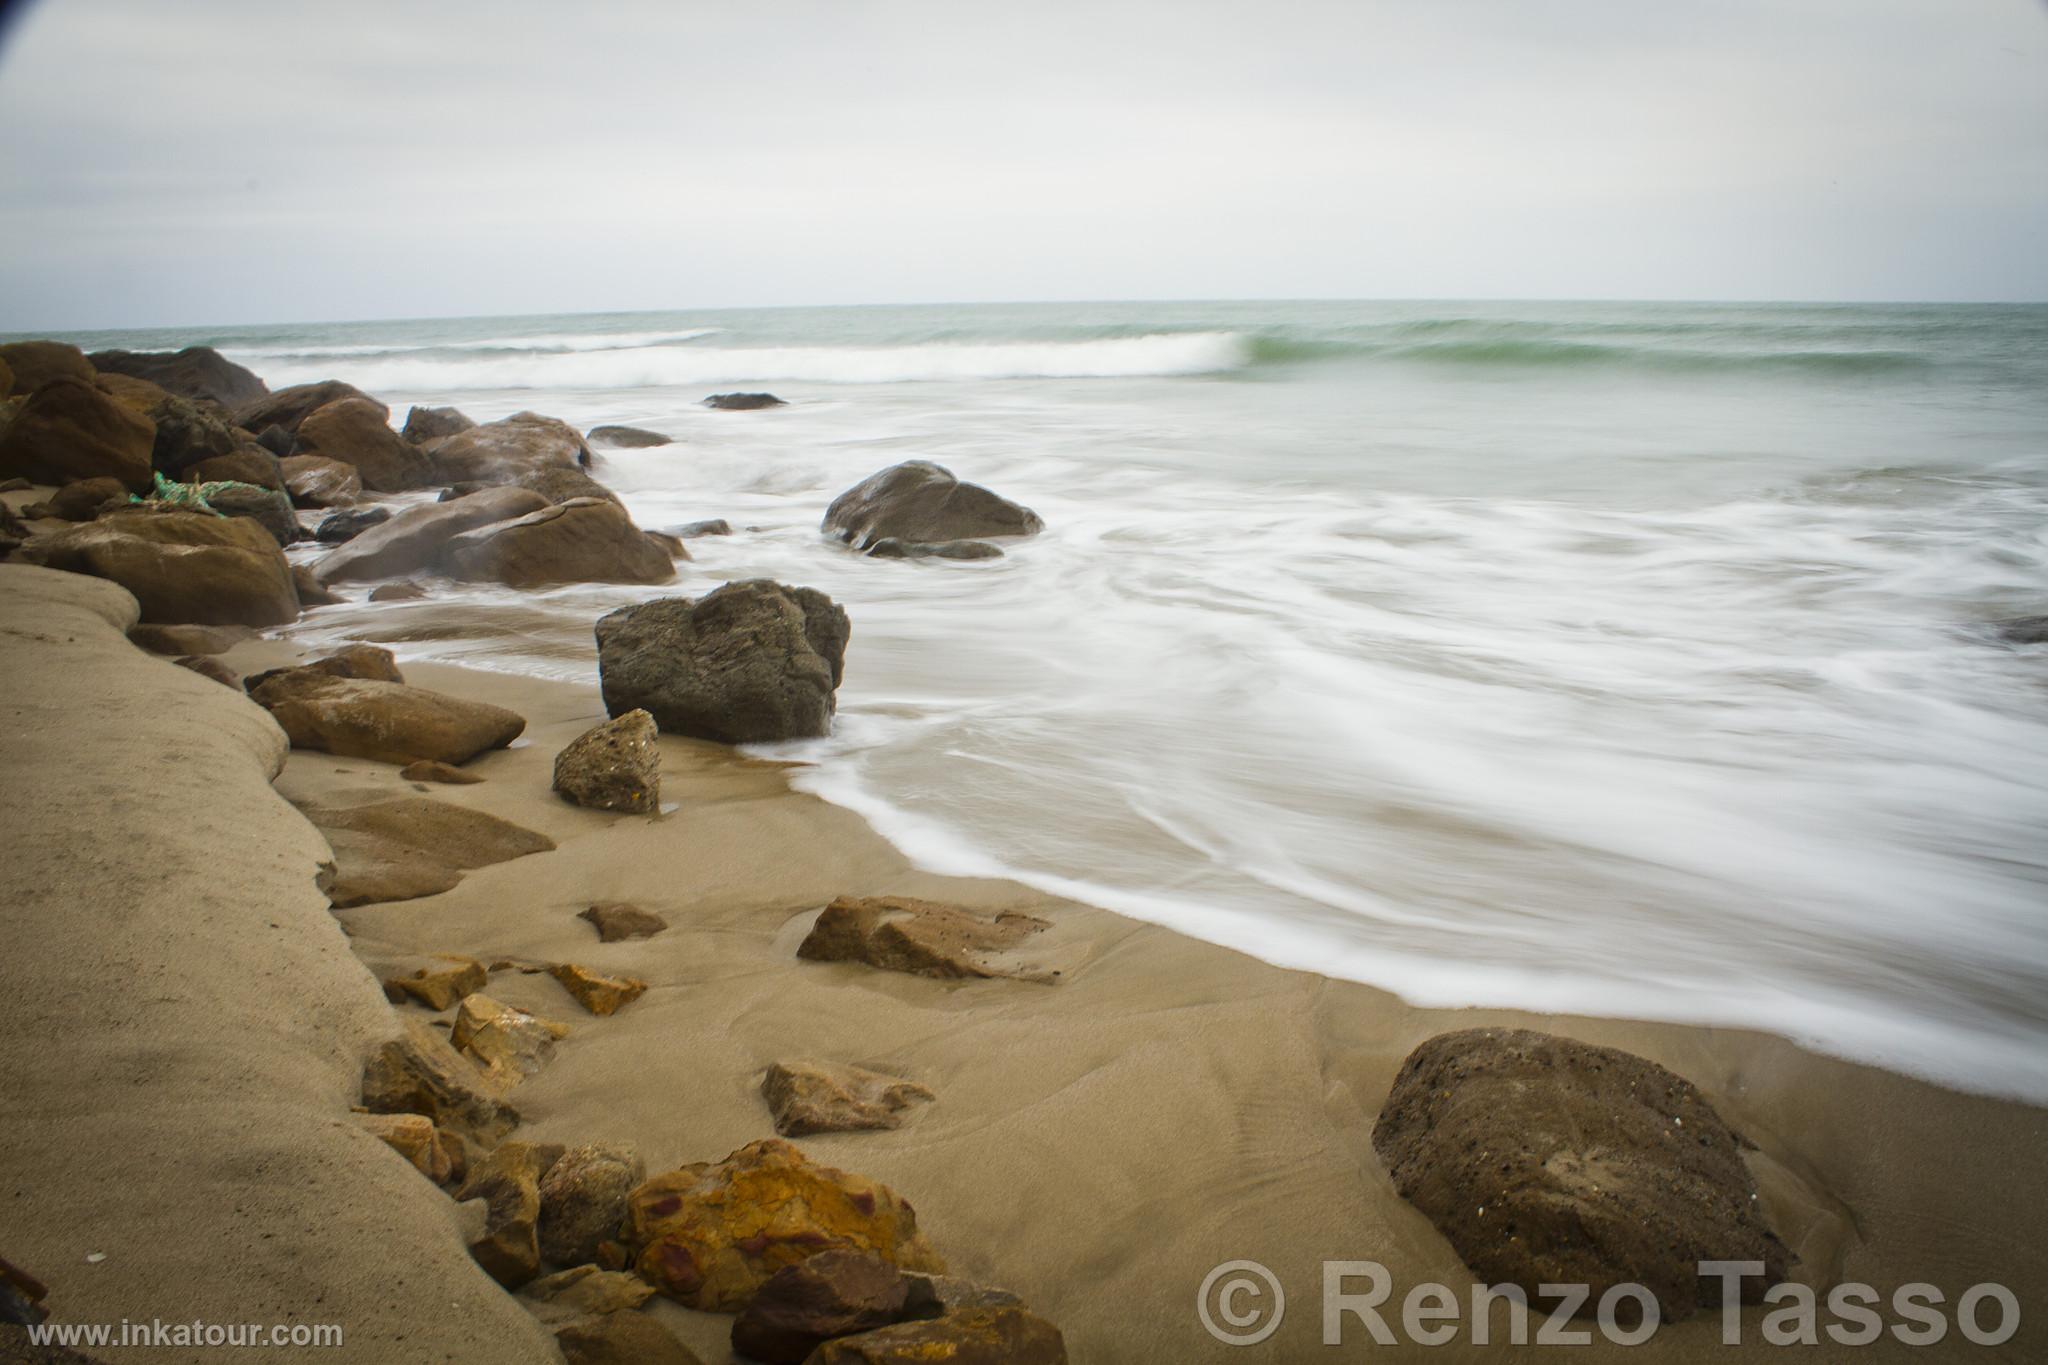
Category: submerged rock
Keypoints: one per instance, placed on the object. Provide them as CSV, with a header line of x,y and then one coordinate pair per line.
x,y
419,1073
1548,1161
588,540
405,590
803,1306
2025,630
613,766
616,920
690,530
195,372
828,1097
427,770
69,430
583,1204
902,934
753,662
743,402
182,567
628,438
920,503
891,548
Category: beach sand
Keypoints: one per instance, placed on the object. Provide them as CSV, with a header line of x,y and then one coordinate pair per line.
x,y
189,1027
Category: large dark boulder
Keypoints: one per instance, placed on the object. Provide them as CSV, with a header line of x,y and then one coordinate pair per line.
x,y
67,429
267,507
502,451
181,566
195,372
338,528
970,1336
1549,1161
753,662
588,540
356,431
189,431
920,503
288,407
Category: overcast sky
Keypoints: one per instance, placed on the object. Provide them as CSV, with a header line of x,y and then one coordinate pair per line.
x,y
221,161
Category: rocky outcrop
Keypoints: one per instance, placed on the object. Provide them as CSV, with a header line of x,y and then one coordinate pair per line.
x,y
316,481
312,592
596,992
195,372
357,432
501,451
508,1181
902,934
584,541
972,1336
413,539
753,662
69,430
183,567
829,1097
419,1073
920,503
266,507
441,983
431,424
80,500
1548,1161
338,528
36,363
627,438
613,766
803,1306
616,921
743,402
583,1203
622,1339
510,1044
390,722
710,1236
413,846
287,408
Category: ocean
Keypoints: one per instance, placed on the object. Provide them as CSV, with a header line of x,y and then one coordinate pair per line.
x,y
1623,659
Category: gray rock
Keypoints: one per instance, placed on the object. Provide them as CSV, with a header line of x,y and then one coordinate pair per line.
x,y
629,438
613,766
922,503
743,402
340,527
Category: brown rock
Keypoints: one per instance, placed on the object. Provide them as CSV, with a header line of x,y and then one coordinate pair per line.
x,y
622,1339
583,1290
560,484
584,541
613,766
182,567
82,499
627,438
413,846
439,987
583,1203
312,592
189,433
250,464
390,722
419,1073
509,1044
426,770
350,661
357,432
802,1306
433,1153
1549,1161
431,424
137,395
210,668
596,992
972,1336
828,1097
501,451
616,920
710,1236
288,408
195,372
268,508
36,363
189,639
338,528
901,934
412,540
69,430
508,1181
316,481
921,502
404,591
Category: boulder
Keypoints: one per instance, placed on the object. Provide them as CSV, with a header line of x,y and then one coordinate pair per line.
x,y
189,433
508,1181
210,668
338,528
584,541
312,592
753,662
613,766
622,1339
82,499
1548,1161
627,438
934,1296
439,986
414,538
268,508
277,440
501,451
252,464
690,530
891,548
387,721
829,1097
581,1291
435,1154
972,1336
195,372
670,545
413,846
137,395
2025,630
616,921
419,1073
316,481
902,934
922,503
596,992
803,1306
36,363
583,1203
350,661
357,432
183,567
405,590
743,402
431,424
560,484
426,770
287,408
510,1044
710,1236
189,639
69,430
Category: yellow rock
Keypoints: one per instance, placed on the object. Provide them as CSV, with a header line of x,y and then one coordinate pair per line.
x,y
597,993
509,1044
434,1154
439,987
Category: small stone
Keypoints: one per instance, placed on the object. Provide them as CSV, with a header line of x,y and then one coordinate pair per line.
x,y
440,987
420,1073
934,1296
433,1153
583,1290
583,1203
509,1044
429,770
597,993
613,766
823,1097
690,530
508,1180
903,934
622,1339
616,920
802,1306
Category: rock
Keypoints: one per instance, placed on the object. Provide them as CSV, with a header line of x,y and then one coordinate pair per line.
x,y
431,424
15,485
671,546
509,1044
189,639
312,592
413,539
403,591
901,934
189,433
210,668
419,1073
629,438
972,1336
390,722
753,662
439,987
891,548
622,1339
934,1296
195,372
2025,630
288,408
501,451
338,528
183,567
616,920
613,766
464,489
252,465
413,846
743,402
583,1290
136,395
920,502
584,541
316,481
583,1204
69,430
709,1236
277,441
803,1306
433,1153
82,499
426,770
269,509
690,530
36,363
596,992
825,1097
350,661
558,485
1548,1161
357,432
508,1181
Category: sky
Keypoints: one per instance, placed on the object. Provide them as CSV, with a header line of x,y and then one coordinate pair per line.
x,y
247,161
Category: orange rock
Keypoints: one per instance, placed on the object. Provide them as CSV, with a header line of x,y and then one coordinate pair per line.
x,y
440,987
595,992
